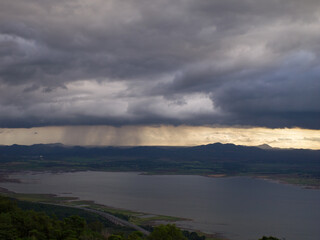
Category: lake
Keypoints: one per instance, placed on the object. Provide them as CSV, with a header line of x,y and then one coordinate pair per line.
x,y
240,208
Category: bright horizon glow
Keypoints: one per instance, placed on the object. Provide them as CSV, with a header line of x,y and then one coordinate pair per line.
x,y
164,135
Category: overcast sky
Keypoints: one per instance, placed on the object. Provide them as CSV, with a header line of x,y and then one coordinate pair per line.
x,y
172,62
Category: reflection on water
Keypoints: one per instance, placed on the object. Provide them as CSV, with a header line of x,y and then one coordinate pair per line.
x,y
239,207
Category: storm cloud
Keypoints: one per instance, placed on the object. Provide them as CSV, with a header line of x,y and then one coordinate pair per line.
x,y
97,62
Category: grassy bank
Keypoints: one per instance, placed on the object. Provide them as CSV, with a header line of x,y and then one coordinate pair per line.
x,y
48,203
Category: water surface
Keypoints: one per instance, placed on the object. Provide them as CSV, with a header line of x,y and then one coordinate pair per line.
x,y
241,208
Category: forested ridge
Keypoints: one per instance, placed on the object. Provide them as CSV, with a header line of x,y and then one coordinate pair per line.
x,y
19,224
295,166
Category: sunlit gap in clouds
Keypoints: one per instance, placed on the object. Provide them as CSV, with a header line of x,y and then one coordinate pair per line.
x,y
163,135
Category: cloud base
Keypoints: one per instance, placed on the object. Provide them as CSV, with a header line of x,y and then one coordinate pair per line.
x,y
78,62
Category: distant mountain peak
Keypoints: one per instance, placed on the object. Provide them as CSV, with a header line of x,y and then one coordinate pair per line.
x,y
265,146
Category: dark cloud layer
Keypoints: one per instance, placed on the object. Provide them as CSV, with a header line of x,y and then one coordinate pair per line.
x,y
177,62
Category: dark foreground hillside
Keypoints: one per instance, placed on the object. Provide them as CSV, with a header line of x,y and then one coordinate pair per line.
x,y
18,224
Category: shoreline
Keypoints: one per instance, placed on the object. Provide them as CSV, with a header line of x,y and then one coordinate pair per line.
x,y
275,179
279,179
138,218
184,225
